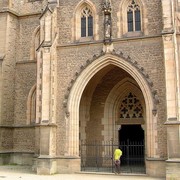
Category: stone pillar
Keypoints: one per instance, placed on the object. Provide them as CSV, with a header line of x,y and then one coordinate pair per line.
x,y
167,15
47,131
172,90
46,164
46,86
170,75
173,139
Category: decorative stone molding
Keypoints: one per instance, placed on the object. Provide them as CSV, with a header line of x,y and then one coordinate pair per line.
x,y
49,7
2,57
167,37
154,112
125,58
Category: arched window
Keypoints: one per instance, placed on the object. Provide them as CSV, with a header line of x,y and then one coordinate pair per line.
x,y
35,42
133,17
86,22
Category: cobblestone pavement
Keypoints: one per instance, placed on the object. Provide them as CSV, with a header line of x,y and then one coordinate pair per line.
x,y
24,173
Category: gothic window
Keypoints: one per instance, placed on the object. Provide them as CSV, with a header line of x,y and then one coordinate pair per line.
x,y
86,22
133,17
131,108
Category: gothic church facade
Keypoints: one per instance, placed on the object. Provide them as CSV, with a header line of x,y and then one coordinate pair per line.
x,y
74,71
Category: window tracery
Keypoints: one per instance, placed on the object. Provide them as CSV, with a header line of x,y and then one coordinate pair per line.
x,y
131,107
86,22
133,17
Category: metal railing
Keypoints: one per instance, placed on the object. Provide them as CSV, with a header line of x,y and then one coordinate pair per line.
x,y
97,156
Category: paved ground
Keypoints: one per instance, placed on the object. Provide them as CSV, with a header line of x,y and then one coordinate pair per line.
x,y
24,173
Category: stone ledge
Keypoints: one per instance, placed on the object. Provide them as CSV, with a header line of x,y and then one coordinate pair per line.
x,y
8,10
46,125
174,160
156,159
17,126
172,122
93,42
14,152
26,62
57,157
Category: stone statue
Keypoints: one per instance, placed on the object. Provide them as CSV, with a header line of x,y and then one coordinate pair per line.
x,y
107,21
107,27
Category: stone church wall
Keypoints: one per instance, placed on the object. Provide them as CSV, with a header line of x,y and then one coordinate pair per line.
x,y
17,81
3,3
3,20
147,52
19,73
66,17
28,25
25,80
8,70
24,140
69,60
25,7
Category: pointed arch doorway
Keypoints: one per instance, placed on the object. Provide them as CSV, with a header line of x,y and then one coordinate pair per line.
x,y
94,103
110,99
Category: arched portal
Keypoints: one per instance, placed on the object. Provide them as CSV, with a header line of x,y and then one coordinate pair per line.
x,y
95,96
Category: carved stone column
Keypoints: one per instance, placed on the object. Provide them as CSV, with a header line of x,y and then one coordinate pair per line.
x,y
46,130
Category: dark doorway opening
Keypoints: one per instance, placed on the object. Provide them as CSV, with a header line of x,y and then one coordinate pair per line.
x,y
131,141
131,133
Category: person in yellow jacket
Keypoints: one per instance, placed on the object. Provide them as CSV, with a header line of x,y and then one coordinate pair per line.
x,y
117,161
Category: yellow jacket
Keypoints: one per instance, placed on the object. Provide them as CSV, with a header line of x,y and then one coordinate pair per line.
x,y
117,154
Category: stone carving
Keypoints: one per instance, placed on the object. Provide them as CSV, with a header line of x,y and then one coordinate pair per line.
x,y
107,27
67,114
168,37
107,21
2,56
154,111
